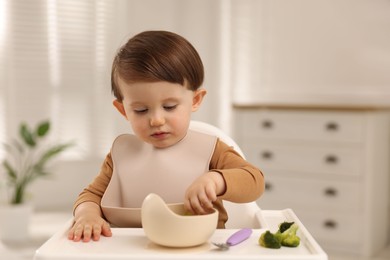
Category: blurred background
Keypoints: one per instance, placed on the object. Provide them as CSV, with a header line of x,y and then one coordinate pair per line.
x,y
56,55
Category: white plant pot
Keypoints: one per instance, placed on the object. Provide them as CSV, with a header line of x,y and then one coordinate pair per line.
x,y
15,222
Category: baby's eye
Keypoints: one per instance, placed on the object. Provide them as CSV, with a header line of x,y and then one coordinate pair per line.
x,y
170,107
141,111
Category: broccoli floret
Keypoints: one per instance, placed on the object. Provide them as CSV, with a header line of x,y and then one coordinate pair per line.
x,y
285,236
291,241
284,226
267,239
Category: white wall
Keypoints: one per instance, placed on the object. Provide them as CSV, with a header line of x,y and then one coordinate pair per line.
x,y
272,51
331,52
197,20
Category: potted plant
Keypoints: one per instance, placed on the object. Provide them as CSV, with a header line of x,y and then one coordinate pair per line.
x,y
27,158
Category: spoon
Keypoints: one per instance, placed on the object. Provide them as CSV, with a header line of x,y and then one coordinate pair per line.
x,y
235,238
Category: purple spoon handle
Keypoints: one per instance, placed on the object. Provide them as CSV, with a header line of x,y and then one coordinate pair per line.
x,y
239,236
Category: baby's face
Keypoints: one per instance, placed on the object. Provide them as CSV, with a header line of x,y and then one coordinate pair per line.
x,y
159,112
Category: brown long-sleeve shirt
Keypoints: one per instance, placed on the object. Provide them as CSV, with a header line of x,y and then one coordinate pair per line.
x,y
244,182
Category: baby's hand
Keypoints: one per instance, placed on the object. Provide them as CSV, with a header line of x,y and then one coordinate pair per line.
x,y
203,191
88,225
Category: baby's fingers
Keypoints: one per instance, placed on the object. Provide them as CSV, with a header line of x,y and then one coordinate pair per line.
x,y
106,230
205,202
96,231
82,232
75,233
87,233
196,206
211,194
71,234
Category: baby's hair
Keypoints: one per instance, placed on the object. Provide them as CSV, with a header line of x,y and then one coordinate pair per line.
x,y
153,56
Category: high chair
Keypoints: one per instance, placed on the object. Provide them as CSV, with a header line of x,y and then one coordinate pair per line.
x,y
131,243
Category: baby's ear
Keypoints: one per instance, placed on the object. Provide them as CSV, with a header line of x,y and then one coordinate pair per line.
x,y
198,98
119,106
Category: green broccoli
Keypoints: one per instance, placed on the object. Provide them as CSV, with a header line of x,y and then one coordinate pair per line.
x,y
285,236
291,241
284,226
267,239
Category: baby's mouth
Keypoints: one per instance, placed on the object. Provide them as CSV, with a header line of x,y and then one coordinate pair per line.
x,y
160,134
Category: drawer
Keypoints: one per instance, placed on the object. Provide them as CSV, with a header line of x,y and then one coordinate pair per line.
x,y
304,125
331,228
307,194
304,158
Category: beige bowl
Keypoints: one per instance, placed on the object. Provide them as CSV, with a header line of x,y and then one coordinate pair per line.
x,y
170,226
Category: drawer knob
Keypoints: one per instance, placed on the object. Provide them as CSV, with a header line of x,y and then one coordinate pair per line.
x,y
268,155
268,186
330,224
332,126
331,159
267,124
330,192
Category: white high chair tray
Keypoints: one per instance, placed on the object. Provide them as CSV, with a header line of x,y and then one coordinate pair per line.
x,y
131,243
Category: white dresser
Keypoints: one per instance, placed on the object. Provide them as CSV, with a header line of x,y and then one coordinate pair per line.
x,y
331,166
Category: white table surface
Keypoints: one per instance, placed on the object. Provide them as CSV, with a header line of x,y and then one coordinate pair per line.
x,y
131,243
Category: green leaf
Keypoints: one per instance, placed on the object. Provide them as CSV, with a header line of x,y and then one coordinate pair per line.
x,y
35,173
40,173
53,151
43,129
28,164
26,135
19,194
10,171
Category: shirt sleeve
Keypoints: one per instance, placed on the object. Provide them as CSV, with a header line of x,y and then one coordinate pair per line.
x,y
244,181
94,191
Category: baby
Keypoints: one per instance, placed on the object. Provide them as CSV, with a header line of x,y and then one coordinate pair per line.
x,y
156,79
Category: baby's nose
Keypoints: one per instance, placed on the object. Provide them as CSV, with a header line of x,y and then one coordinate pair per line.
x,y
157,120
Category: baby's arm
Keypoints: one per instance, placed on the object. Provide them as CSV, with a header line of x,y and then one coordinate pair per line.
x,y
203,191
244,181
88,223
230,178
